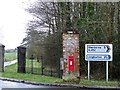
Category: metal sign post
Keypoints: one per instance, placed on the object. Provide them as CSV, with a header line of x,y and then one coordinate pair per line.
x,y
88,70
98,52
107,71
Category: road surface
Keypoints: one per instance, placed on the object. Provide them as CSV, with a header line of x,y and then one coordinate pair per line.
x,y
8,84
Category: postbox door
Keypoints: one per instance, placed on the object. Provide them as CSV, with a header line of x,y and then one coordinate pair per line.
x,y
71,63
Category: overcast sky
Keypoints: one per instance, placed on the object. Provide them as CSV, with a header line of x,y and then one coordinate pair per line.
x,y
13,19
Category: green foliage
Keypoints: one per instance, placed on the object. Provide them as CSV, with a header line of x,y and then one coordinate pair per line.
x,y
53,50
96,23
96,26
115,71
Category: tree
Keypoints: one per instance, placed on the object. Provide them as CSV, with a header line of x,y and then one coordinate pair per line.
x,y
96,23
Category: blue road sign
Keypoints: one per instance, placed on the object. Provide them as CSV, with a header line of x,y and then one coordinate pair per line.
x,y
98,48
98,52
98,57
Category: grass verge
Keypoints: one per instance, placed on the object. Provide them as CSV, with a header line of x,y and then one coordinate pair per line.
x,y
31,77
11,72
99,83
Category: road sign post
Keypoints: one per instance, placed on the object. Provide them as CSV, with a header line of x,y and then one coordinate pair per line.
x,y
98,52
88,70
107,71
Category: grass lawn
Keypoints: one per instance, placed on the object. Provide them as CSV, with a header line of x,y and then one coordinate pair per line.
x,y
99,83
35,63
36,66
10,56
11,72
31,77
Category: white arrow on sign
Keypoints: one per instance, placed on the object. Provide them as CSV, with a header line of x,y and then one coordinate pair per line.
x,y
98,49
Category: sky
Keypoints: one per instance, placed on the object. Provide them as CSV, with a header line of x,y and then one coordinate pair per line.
x,y
13,20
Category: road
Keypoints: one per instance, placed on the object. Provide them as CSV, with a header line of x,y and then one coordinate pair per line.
x,y
8,84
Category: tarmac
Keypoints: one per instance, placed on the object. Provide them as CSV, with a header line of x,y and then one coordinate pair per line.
x,y
62,85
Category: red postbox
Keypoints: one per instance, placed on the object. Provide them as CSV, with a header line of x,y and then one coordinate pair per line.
x,y
71,63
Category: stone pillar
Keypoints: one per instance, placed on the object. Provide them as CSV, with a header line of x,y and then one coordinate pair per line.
x,y
21,59
71,67
2,58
